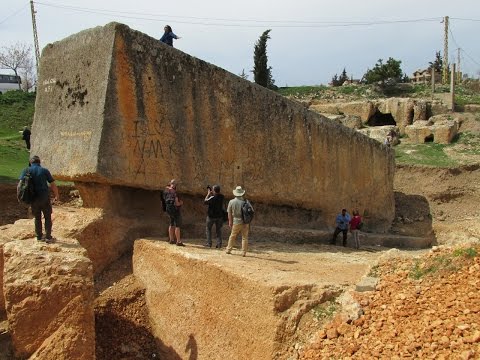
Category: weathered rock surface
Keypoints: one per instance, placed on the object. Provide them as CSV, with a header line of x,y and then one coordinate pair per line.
x,y
49,300
379,133
402,111
363,109
441,132
252,305
122,109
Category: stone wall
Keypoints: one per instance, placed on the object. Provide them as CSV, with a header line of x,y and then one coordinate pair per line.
x,y
119,108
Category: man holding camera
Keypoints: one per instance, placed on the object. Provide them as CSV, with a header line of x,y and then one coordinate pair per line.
x,y
342,222
214,200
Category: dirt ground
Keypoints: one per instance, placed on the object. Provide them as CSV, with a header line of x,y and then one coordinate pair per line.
x,y
430,317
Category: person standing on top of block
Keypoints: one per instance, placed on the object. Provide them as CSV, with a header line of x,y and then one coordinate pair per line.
x,y
41,202
168,36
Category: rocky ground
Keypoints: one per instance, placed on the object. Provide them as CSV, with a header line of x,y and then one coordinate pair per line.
x,y
422,308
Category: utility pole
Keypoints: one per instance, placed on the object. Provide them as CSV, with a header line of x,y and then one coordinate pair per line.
x,y
35,36
452,87
445,51
459,72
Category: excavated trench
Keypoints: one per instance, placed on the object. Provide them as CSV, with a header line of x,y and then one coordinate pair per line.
x,y
189,292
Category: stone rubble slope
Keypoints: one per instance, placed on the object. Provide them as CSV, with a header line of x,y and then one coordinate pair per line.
x,y
426,308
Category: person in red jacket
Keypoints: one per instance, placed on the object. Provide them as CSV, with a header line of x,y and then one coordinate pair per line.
x,y
355,227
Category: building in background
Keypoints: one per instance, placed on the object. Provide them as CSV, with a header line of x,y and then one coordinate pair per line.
x,y
425,77
9,82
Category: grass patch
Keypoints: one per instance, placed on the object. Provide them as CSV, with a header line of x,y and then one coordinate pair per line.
x,y
466,252
302,91
443,263
464,95
423,154
13,161
16,111
471,142
438,264
325,310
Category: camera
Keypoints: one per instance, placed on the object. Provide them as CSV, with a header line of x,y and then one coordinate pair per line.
x,y
209,187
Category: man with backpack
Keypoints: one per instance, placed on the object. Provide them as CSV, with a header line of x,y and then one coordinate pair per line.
x,y
239,219
172,207
214,200
41,177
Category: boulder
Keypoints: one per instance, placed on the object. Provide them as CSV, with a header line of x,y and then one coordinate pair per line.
x,y
379,133
117,108
441,132
49,300
362,109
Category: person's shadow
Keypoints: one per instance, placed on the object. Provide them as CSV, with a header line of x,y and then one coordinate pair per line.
x,y
192,346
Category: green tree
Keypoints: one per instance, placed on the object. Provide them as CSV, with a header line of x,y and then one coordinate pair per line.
x,y
262,73
381,72
334,81
339,80
343,76
437,63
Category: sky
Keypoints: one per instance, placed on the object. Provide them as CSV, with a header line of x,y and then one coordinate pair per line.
x,y
310,40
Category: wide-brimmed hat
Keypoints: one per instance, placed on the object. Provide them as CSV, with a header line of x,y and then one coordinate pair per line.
x,y
238,191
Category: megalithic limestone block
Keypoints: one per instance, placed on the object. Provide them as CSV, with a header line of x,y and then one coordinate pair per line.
x,y
117,107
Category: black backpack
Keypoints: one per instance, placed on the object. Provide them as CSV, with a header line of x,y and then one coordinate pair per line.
x,y
170,207
26,189
247,212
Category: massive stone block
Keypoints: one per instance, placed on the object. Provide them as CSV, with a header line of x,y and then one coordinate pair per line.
x,y
207,305
117,107
49,300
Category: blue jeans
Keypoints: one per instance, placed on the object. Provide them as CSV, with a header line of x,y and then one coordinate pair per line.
x,y
218,227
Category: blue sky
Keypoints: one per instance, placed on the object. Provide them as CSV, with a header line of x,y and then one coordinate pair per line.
x,y
311,40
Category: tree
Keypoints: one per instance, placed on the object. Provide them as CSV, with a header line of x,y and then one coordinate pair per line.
x,y
262,73
339,81
334,81
381,72
343,77
17,58
437,64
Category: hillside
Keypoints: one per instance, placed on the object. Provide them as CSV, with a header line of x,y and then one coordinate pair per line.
x,y
16,111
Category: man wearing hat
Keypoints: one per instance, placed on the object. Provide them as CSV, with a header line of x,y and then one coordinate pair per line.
x,y
342,222
235,221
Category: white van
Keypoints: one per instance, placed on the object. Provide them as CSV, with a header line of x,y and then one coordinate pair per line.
x,y
9,82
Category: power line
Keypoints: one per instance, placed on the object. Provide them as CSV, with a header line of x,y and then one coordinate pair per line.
x,y
471,58
463,19
461,48
13,14
234,22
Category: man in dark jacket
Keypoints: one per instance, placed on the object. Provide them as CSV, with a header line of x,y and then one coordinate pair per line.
x,y
215,201
41,203
26,133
